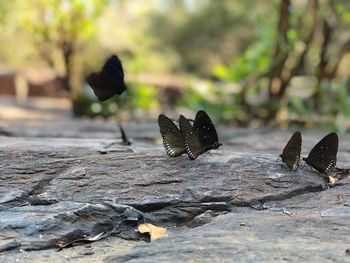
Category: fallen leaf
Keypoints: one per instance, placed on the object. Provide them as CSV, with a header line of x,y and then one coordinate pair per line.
x,y
332,180
154,231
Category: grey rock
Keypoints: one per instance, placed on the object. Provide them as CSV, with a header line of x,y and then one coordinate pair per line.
x,y
9,246
234,204
265,237
203,218
43,227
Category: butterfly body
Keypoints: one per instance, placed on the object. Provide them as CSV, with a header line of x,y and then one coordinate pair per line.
x,y
323,157
291,152
108,82
173,140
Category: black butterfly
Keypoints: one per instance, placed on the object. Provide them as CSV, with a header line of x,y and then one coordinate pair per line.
x,y
205,130
323,156
291,152
173,140
125,140
108,82
201,137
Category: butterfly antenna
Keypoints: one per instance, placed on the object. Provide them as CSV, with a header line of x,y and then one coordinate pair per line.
x,y
125,139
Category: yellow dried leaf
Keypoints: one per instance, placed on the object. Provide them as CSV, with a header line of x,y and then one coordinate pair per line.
x,y
332,180
154,231
144,228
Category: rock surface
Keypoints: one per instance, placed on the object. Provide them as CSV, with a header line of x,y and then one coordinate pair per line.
x,y
62,183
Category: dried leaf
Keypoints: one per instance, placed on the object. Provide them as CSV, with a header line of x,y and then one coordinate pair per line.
x,y
332,180
144,228
154,231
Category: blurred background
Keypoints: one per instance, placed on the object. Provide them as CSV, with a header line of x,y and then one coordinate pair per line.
x,y
277,63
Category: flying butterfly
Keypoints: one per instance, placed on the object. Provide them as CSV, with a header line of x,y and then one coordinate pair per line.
x,y
201,137
108,82
323,157
173,140
291,152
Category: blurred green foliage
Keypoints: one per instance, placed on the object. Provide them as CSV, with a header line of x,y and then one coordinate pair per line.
x,y
329,103
233,49
255,60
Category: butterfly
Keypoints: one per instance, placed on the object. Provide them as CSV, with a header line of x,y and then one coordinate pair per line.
x,y
173,140
201,137
108,82
291,152
125,140
323,156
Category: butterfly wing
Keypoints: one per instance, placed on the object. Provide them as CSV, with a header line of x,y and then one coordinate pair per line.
x,y
173,140
291,152
205,131
96,83
193,145
113,68
113,72
323,157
